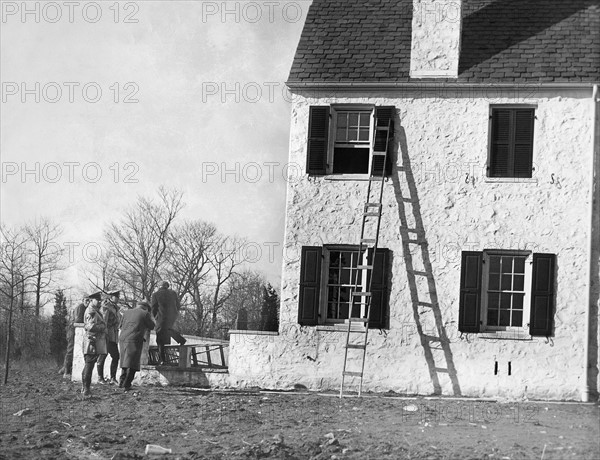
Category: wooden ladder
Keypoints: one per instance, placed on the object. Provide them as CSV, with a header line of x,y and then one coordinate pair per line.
x,y
367,247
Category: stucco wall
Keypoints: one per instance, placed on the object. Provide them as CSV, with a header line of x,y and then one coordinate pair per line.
x,y
442,141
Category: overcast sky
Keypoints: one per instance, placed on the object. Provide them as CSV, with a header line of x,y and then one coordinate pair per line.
x,y
102,102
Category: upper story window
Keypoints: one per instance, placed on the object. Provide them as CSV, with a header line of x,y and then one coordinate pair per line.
x,y
511,142
340,139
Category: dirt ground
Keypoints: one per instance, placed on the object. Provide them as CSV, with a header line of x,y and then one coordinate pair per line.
x,y
42,417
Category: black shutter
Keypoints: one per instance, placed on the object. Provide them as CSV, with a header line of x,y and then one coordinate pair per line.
x,y
511,149
469,306
523,142
318,137
378,316
310,285
383,116
542,294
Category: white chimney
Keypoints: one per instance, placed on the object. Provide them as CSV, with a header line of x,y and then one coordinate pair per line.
x,y
435,44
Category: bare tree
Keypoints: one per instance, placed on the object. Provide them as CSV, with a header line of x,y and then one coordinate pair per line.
x,y
188,268
46,253
16,271
139,241
225,257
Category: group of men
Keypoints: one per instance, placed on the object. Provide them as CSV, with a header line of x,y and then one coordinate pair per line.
x,y
120,334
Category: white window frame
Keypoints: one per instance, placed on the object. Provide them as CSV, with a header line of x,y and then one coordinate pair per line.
x,y
526,287
325,282
333,130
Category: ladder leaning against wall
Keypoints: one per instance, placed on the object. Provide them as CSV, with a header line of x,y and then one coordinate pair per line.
x,y
360,293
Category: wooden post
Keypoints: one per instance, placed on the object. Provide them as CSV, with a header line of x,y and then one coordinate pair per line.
x,y
184,357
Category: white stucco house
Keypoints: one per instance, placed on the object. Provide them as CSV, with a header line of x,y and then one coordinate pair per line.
x,y
486,282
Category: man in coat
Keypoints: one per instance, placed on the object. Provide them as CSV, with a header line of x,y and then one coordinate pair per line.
x,y
112,316
94,340
165,308
75,316
134,324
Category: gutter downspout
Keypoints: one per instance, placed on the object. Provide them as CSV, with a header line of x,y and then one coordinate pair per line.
x,y
585,397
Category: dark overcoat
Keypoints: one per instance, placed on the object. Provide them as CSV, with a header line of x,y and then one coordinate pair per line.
x,y
131,340
165,308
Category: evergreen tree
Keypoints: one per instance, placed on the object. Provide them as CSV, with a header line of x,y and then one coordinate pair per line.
x,y
58,337
270,309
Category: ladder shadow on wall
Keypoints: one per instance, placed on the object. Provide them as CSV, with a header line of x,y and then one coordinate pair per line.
x,y
421,282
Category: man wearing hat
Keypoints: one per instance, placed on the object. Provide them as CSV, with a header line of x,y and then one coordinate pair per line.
x,y
94,340
165,308
75,316
134,324
110,312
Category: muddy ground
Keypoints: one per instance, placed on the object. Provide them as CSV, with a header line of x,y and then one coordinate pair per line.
x,y
52,421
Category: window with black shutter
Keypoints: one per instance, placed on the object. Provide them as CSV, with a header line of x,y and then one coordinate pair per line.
x,y
507,290
511,142
340,139
327,276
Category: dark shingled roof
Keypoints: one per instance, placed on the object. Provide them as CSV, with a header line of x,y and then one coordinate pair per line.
x,y
520,41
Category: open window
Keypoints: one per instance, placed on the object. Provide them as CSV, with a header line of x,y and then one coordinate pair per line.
x,y
340,139
327,275
507,290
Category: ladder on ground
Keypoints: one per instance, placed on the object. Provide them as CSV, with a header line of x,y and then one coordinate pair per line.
x,y
360,293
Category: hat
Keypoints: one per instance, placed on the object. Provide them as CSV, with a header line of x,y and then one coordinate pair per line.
x,y
95,295
115,293
164,284
143,304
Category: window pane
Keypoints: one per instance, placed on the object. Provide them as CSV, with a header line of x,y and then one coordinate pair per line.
x,y
518,301
517,318
506,282
364,134
507,264
342,121
494,282
504,318
518,283
332,294
334,276
353,119
345,259
345,276
343,313
492,318
334,258
340,134
494,264
332,310
493,300
505,300
519,264
352,134
364,119
344,294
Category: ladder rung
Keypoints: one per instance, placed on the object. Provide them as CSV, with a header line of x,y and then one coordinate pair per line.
x,y
353,345
368,240
374,214
440,369
432,338
416,272
415,242
361,294
358,320
353,374
364,267
382,128
373,204
379,153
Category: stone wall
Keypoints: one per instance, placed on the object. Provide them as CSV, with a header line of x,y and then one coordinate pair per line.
x,y
441,144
